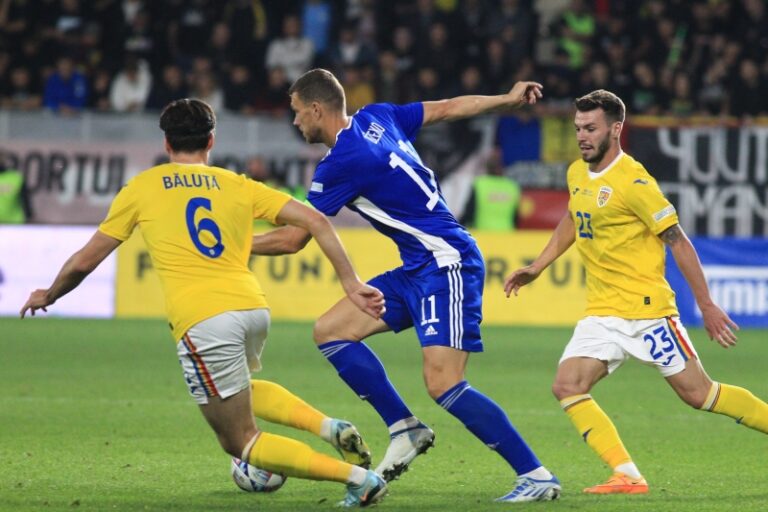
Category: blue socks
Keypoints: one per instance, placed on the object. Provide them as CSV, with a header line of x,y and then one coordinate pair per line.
x,y
359,367
490,424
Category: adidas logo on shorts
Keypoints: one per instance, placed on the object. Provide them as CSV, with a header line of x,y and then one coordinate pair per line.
x,y
431,331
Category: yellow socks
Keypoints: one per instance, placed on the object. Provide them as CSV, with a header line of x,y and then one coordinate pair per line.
x,y
294,458
272,402
597,429
739,404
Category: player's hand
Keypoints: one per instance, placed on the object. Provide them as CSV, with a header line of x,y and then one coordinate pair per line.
x,y
719,325
369,300
38,299
520,278
525,93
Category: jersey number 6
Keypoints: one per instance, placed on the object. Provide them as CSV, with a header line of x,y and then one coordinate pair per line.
x,y
205,224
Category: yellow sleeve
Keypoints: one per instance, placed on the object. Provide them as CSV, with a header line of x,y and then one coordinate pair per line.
x,y
122,215
647,201
267,202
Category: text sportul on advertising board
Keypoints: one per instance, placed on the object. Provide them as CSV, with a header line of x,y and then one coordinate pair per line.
x,y
30,258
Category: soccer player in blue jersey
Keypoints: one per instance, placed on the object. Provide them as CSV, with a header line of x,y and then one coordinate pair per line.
x,y
373,169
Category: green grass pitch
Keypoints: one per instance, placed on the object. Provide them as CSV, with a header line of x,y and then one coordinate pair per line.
x,y
94,416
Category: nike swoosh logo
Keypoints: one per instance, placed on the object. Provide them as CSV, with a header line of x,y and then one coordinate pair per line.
x,y
585,434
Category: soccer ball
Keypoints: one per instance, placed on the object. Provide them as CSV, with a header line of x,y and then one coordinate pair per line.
x,y
252,479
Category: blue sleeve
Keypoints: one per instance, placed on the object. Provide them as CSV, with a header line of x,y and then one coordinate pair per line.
x,y
332,187
410,118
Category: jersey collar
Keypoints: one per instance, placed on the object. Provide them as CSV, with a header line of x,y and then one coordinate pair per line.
x,y
595,175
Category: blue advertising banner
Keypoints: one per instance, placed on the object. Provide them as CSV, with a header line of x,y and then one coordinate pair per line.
x,y
737,274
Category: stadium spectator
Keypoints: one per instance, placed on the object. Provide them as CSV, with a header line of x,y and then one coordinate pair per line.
x,y
205,87
98,99
391,85
130,88
15,205
273,98
574,29
620,222
292,51
171,86
16,23
238,90
358,90
647,98
747,94
317,21
351,50
140,39
220,340
494,200
405,205
21,94
66,91
681,103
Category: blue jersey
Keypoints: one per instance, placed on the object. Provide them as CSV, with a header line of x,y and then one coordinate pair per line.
x,y
374,170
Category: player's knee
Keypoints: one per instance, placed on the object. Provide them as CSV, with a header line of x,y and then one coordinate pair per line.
x,y
323,331
563,389
695,398
438,382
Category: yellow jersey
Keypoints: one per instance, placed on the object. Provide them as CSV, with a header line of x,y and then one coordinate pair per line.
x,y
618,214
197,223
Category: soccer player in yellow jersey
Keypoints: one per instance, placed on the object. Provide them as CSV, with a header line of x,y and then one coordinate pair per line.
x,y
620,222
196,221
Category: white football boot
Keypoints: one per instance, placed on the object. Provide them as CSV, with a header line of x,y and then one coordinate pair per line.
x,y
404,446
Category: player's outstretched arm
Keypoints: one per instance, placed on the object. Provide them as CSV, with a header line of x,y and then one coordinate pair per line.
x,y
562,238
718,324
283,240
367,298
76,268
460,107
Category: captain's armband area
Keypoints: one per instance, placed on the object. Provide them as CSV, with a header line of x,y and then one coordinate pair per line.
x,y
672,235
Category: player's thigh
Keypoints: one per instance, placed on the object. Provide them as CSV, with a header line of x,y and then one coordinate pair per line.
x,y
593,345
344,321
692,384
446,307
232,421
213,356
578,375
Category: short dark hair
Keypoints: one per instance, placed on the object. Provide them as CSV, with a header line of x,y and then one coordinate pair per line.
x,y
610,103
319,85
187,124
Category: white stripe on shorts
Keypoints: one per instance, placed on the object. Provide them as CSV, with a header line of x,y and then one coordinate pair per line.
x,y
456,291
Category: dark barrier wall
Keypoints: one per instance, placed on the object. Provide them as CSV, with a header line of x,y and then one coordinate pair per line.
x,y
716,176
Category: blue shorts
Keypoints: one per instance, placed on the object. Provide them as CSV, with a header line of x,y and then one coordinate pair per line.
x,y
444,305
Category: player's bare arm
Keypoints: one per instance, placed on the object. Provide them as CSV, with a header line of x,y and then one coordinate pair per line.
x,y
718,324
72,273
562,238
283,240
367,298
460,107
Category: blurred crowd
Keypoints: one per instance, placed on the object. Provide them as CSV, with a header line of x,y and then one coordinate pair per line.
x,y
670,57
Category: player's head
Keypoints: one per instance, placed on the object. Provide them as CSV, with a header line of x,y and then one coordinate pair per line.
x,y
188,125
599,119
316,96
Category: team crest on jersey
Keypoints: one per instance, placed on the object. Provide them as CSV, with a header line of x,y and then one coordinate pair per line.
x,y
603,196
374,133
